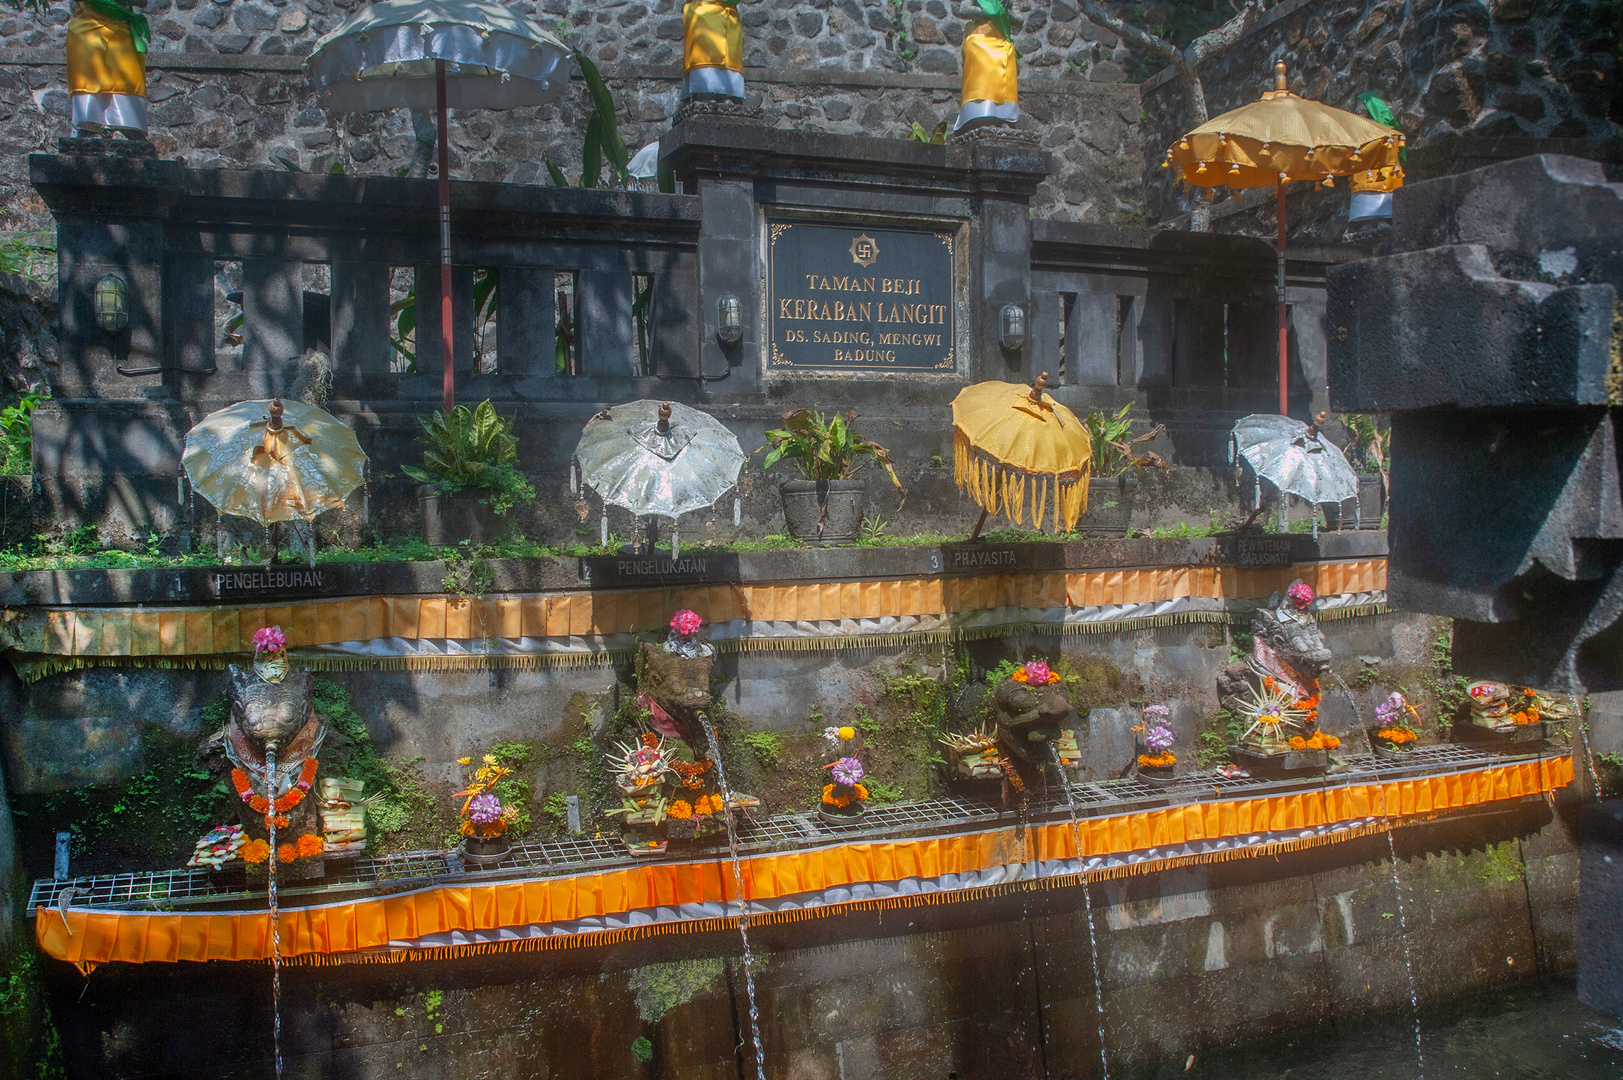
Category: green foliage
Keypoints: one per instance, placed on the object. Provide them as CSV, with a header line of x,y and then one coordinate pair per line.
x,y
30,254
602,141
662,987
1609,773
1214,737
30,1045
1503,864
1111,435
642,1049
555,807
17,435
466,573
153,818
517,789
824,448
404,314
881,792
767,746
472,449
918,134
1448,687
1370,448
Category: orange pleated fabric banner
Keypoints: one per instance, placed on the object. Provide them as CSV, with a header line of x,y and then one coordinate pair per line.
x,y
180,632
87,936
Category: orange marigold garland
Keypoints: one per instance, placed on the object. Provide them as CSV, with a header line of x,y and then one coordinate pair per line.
x,y
261,805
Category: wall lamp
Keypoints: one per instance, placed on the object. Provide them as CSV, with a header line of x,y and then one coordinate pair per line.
x,y
729,319
1012,327
112,304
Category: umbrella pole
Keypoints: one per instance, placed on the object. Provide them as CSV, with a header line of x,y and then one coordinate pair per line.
x,y
1280,287
976,535
449,374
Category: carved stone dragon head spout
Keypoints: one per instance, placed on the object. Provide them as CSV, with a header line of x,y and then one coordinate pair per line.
x,y
270,712
1286,637
1029,717
674,689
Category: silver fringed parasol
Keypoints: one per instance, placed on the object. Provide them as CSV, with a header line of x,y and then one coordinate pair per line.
x,y
383,57
439,54
1294,457
659,458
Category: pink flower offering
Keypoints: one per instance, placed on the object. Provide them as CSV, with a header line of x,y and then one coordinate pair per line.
x,y
270,639
1301,594
686,622
1038,673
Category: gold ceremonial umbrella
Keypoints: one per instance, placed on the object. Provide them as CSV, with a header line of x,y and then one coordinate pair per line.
x,y
1280,138
1015,447
273,461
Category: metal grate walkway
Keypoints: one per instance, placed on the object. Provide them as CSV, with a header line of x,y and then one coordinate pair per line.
x,y
163,890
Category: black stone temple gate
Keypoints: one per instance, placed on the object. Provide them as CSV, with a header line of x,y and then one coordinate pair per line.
x,y
1179,323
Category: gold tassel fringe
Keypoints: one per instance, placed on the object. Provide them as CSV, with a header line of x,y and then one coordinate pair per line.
x,y
1005,489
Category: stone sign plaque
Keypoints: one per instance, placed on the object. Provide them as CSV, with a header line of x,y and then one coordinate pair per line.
x,y
855,298
264,582
643,571
1260,551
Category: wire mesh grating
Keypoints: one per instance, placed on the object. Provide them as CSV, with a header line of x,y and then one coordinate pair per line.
x,y
189,888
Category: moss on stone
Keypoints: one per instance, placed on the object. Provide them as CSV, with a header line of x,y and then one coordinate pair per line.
x,y
662,987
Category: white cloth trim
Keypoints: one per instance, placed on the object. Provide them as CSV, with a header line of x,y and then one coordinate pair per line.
x,y
722,81
93,113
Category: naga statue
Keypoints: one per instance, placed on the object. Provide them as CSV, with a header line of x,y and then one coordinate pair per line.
x,y
1027,711
1286,646
273,740
672,790
1275,690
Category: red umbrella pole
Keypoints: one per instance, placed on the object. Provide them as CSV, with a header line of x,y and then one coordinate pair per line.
x,y
1284,346
445,245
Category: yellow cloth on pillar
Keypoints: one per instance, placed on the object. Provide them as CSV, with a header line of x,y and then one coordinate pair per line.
x,y
990,73
102,57
712,36
1386,178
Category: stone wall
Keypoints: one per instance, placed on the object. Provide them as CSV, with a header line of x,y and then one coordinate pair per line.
x,y
1268,951
1449,69
227,90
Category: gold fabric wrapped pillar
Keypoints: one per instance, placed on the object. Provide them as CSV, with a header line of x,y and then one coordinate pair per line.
x,y
712,49
991,88
107,76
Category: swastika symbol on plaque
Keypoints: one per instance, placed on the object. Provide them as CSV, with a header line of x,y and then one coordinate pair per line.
x,y
864,250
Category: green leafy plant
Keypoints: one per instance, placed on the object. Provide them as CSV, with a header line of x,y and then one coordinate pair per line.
x,y
768,748
824,448
1371,445
17,435
472,449
602,139
1113,445
919,134
642,1049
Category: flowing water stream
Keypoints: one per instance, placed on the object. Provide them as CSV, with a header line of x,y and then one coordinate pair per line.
x,y
738,887
275,920
1087,906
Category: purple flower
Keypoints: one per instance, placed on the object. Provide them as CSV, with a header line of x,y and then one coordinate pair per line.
x,y
1158,737
1390,710
847,771
484,809
1153,713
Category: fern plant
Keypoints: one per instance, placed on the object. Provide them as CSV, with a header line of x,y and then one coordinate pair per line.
x,y
1113,447
472,449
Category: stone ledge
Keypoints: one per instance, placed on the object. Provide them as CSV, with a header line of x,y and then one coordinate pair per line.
x,y
194,585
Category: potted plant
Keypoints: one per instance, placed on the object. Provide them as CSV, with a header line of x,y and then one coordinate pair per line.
x,y
1156,759
1115,456
1392,737
1369,450
469,476
484,818
825,505
844,795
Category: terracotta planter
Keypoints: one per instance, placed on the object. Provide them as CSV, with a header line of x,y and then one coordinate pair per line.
x,y
1366,513
1157,775
826,512
1386,751
482,853
450,520
1110,506
849,816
